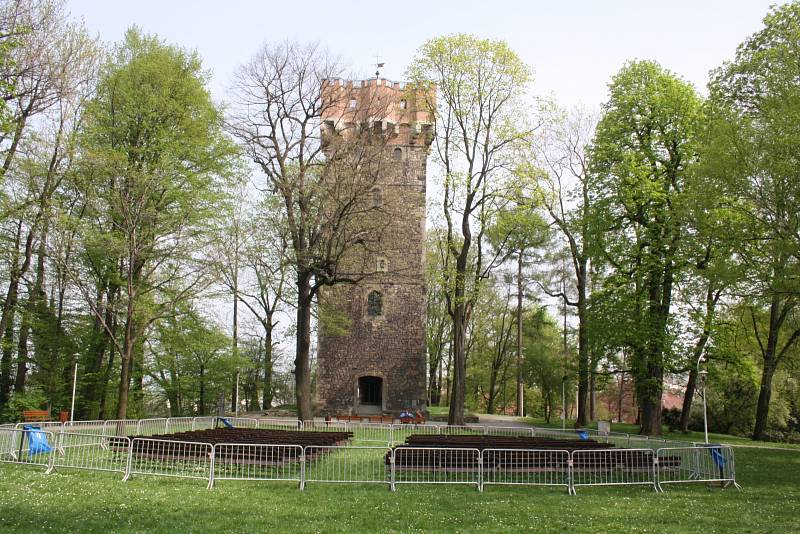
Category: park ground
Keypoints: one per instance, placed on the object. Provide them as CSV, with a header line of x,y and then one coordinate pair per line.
x,y
78,501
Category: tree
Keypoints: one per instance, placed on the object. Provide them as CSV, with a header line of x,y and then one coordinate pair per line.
x,y
153,171
190,360
251,262
521,230
644,143
437,322
561,150
52,64
752,147
322,181
479,125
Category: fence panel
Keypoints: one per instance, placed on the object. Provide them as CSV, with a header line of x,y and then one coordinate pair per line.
x,y
30,447
181,459
436,465
617,439
92,451
152,427
371,432
204,423
85,427
280,424
359,464
508,431
179,424
48,426
613,467
553,433
713,463
528,467
239,461
401,431
121,427
326,426
464,430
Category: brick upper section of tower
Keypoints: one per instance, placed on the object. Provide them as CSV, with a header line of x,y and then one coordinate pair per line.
x,y
395,109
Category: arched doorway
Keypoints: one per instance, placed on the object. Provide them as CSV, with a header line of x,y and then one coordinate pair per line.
x,y
370,394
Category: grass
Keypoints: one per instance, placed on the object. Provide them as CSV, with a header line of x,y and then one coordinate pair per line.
x,y
78,501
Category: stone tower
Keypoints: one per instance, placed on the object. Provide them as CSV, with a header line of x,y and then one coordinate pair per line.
x,y
377,363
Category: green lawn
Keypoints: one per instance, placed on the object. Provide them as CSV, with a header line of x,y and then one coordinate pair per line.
x,y
77,501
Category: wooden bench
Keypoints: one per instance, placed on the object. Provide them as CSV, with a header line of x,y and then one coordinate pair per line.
x,y
35,416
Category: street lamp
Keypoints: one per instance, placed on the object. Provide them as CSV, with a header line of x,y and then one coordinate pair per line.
x,y
702,376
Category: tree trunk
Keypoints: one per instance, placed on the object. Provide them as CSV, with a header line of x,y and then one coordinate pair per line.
x,y
202,400
127,364
302,360
764,395
267,393
234,388
101,389
492,390
583,347
520,401
686,409
457,396
770,364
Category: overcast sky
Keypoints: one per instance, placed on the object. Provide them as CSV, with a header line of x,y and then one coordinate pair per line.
x,y
573,46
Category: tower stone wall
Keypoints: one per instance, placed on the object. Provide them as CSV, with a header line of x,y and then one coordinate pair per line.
x,y
375,362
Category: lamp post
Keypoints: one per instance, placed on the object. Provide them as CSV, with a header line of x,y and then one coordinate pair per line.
x,y
702,375
563,403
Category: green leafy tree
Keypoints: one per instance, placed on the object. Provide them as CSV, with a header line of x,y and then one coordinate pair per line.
x,y
752,147
153,173
643,146
480,123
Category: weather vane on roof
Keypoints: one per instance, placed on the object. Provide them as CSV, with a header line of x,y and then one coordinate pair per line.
x,y
378,66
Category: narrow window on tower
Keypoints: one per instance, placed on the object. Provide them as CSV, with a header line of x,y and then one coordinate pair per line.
x,y
377,197
353,103
374,304
398,154
403,104
382,265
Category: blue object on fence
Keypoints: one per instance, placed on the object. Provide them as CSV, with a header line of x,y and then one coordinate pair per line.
x,y
226,422
37,440
716,455
583,435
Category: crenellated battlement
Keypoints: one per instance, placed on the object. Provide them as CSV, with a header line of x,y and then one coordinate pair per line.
x,y
396,109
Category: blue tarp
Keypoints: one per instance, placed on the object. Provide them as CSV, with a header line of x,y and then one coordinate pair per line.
x,y
226,422
582,434
716,455
37,440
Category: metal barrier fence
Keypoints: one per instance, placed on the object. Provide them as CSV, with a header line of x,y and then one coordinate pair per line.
x,y
707,463
204,423
29,447
92,452
181,459
526,467
510,431
120,427
436,465
356,464
280,424
370,464
613,467
238,461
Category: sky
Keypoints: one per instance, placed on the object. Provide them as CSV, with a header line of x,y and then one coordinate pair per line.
x,y
573,47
